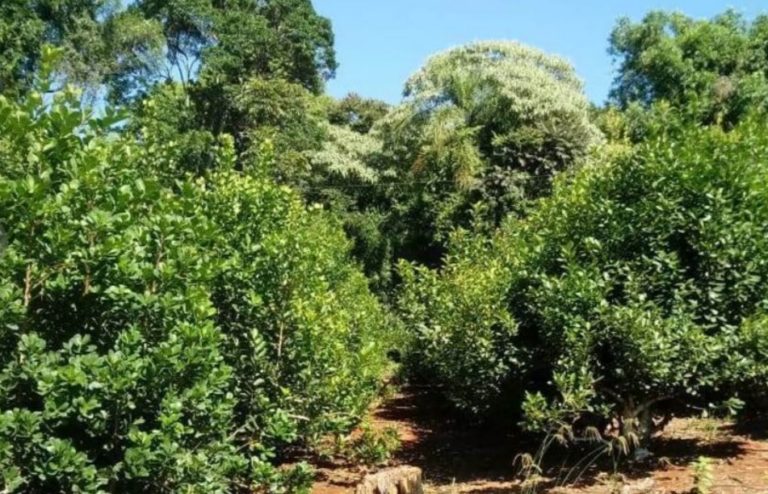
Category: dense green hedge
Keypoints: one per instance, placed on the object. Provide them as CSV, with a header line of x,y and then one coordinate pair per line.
x,y
160,333
642,280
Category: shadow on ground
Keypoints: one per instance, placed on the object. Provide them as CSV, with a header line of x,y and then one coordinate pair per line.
x,y
446,447
450,451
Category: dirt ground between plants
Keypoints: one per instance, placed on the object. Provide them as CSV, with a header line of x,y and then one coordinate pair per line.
x,y
458,459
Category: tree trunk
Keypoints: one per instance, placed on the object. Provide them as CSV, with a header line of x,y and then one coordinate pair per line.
x,y
636,424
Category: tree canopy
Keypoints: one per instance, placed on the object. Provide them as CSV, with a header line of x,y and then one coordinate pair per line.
x,y
482,130
715,69
101,43
131,48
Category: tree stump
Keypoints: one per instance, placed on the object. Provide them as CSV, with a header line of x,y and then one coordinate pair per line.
x,y
399,480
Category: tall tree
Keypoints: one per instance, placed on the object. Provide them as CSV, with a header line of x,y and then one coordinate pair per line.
x,y
715,68
249,68
25,26
230,41
101,42
132,48
483,129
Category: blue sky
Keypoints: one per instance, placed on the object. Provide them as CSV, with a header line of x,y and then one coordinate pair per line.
x,y
379,43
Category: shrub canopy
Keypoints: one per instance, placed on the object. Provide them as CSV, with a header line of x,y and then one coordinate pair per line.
x,y
594,304
161,331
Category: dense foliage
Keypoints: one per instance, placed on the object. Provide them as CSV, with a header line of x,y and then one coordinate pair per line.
x,y
201,286
102,43
128,47
592,305
715,71
482,130
165,333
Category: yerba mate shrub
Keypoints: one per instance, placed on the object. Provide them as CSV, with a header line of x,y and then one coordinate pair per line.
x,y
642,282
161,332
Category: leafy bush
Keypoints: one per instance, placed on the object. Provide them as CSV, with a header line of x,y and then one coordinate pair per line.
x,y
374,447
594,304
281,132
161,333
304,331
112,371
367,445
463,333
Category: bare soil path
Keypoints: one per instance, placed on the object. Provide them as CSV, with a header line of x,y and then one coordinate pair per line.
x,y
456,458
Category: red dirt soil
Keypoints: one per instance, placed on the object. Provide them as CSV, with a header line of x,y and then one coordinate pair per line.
x,y
458,459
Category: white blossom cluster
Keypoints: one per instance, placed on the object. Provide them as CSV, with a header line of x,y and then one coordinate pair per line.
x,y
534,85
345,154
